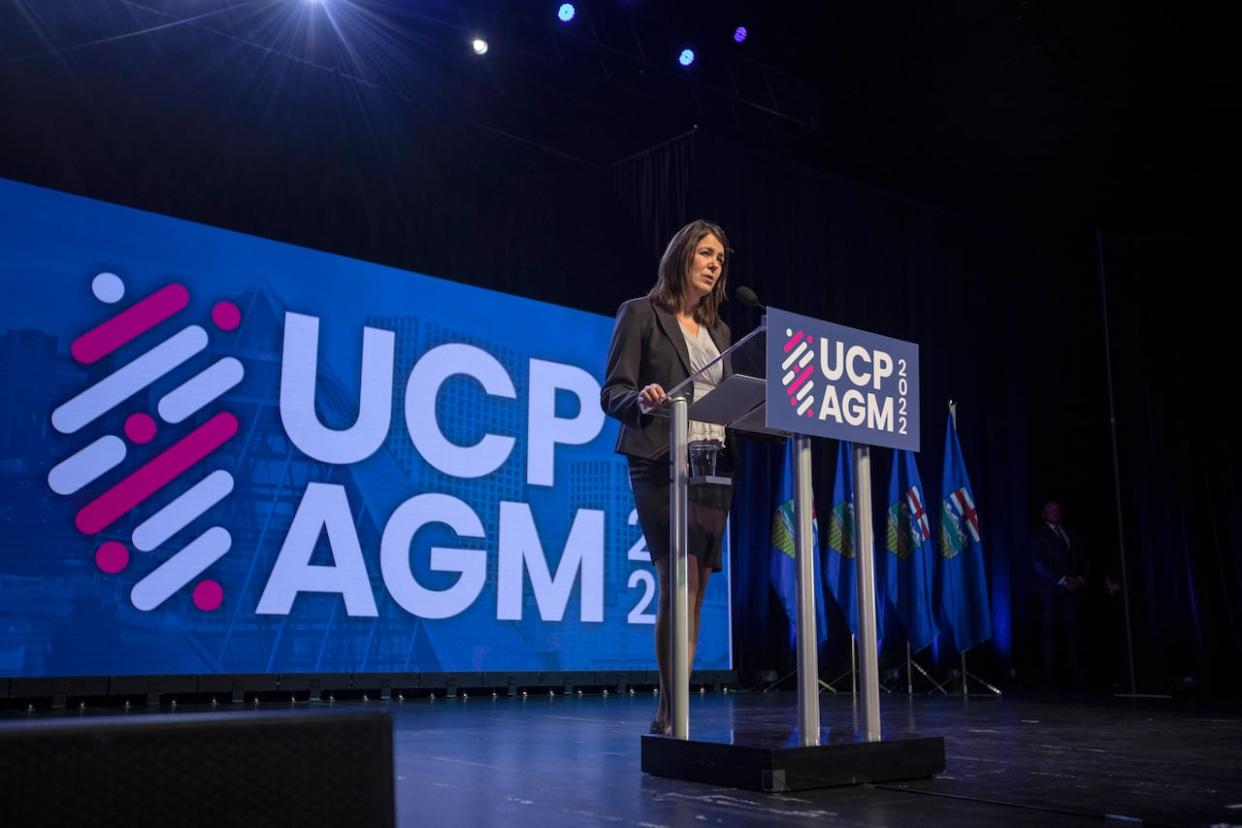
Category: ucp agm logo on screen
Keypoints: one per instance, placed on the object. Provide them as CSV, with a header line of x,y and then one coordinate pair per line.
x,y
187,456
324,508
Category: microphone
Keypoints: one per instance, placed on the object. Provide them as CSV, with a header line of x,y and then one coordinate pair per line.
x,y
748,298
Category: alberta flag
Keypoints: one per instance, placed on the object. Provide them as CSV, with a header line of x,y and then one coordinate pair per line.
x,y
783,569
841,556
961,583
908,566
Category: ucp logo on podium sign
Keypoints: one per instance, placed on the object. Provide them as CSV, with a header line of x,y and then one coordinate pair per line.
x,y
828,380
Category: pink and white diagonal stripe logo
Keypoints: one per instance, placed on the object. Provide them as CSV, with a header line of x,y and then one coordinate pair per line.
x,y
799,354
89,465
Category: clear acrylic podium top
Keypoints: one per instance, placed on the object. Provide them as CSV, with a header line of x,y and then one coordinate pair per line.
x,y
738,401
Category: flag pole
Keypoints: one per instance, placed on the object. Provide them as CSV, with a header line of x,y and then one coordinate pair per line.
x,y
995,691
847,674
853,666
910,662
823,685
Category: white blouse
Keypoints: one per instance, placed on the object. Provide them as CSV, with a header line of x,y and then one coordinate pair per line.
x,y
702,351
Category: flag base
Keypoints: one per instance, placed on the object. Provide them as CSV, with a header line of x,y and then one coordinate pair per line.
x,y
776,763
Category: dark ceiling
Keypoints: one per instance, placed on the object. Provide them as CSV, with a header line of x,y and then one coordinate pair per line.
x,y
1065,112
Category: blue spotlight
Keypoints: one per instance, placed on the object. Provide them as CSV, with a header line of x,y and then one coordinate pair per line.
x,y
686,57
566,12
479,45
740,34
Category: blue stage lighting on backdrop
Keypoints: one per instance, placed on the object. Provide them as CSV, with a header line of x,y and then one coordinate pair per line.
x,y
686,57
740,34
565,12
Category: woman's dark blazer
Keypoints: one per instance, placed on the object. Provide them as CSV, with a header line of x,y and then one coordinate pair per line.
x,y
647,346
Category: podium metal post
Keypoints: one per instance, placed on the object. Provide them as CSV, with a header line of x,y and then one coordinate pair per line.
x,y
864,548
679,595
808,658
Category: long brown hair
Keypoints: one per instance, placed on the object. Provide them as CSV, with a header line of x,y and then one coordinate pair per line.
x,y
670,286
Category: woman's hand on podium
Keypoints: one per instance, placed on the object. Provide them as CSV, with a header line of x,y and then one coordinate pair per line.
x,y
651,398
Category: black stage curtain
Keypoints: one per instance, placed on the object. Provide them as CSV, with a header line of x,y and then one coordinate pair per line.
x,y
1173,319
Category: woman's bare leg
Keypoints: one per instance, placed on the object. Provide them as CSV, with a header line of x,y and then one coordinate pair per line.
x,y
698,586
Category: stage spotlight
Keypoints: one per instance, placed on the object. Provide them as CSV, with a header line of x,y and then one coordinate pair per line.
x,y
566,12
740,34
479,45
686,57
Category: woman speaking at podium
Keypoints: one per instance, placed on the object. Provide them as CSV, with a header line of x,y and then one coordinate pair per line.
x,y
658,341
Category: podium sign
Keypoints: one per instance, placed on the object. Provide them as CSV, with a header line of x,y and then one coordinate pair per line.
x,y
830,380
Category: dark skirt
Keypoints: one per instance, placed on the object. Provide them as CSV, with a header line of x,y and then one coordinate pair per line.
x,y
708,512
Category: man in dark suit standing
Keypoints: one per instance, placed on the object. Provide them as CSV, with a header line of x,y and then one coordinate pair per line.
x,y
1060,563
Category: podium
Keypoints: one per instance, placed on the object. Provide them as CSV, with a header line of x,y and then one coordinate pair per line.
x,y
772,387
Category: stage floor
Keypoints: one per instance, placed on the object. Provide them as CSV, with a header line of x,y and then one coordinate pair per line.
x,y
574,760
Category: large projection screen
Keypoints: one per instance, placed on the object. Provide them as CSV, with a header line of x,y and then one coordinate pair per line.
x,y
221,454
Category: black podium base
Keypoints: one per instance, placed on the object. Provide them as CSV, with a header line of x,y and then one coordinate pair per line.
x,y
771,763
